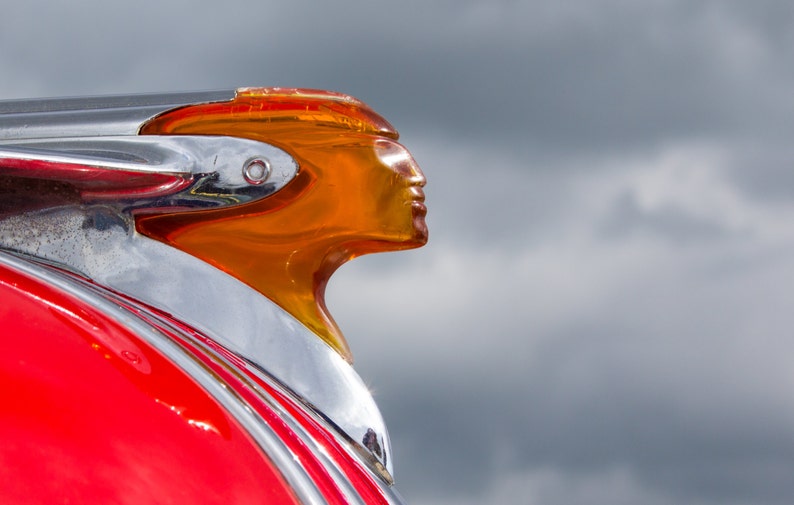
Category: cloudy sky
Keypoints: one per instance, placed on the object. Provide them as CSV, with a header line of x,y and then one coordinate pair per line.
x,y
603,314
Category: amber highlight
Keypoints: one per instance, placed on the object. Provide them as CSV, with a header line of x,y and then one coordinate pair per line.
x,y
357,192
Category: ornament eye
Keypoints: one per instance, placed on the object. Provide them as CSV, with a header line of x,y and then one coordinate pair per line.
x,y
256,171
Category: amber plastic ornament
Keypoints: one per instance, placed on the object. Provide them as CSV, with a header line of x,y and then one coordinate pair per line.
x,y
357,191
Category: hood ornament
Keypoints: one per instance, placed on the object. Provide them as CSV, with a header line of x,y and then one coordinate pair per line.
x,y
200,203
357,191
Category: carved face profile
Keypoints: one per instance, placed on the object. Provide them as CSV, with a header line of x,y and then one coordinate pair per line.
x,y
357,191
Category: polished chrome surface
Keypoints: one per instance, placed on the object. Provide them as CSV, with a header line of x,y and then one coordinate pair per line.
x,y
92,116
313,445
95,236
217,167
263,435
99,242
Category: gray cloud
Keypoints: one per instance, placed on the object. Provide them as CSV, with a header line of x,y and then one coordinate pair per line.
x,y
591,75
679,375
602,314
669,222
658,349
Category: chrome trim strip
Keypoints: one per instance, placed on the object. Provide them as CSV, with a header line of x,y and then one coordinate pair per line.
x,y
336,473
270,443
218,165
99,243
92,116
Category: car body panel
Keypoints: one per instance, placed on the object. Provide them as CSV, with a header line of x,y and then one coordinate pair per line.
x,y
134,372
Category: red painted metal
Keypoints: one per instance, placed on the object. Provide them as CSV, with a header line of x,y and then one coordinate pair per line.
x,y
90,413
314,468
360,479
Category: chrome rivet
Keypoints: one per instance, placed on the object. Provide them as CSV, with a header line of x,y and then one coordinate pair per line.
x,y
256,171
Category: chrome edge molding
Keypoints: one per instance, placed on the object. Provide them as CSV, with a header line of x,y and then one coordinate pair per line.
x,y
216,170
99,243
96,238
271,444
92,116
314,446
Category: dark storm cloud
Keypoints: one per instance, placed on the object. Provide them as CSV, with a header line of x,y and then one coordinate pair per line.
x,y
559,75
635,321
590,75
482,434
660,378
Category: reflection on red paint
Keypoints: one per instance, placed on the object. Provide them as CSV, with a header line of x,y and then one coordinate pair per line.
x,y
106,419
362,481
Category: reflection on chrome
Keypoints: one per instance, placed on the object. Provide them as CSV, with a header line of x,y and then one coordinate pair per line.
x,y
79,176
213,302
134,173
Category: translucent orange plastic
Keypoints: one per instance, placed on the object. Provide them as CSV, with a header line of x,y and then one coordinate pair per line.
x,y
357,191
